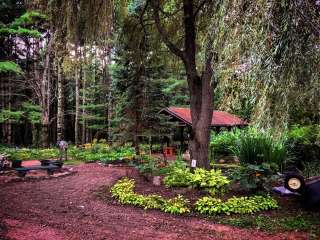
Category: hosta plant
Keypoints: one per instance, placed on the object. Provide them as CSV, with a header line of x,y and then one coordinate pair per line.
x,y
235,205
123,191
211,181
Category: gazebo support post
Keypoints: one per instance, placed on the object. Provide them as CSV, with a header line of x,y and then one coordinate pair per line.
x,y
181,138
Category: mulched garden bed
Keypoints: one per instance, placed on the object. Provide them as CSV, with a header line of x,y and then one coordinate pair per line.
x,y
289,207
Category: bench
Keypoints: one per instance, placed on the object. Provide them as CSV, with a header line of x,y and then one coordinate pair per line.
x,y
22,171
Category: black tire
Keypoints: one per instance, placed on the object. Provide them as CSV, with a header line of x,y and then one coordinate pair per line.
x,y
295,179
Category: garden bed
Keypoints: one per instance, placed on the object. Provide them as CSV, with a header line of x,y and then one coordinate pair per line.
x,y
289,216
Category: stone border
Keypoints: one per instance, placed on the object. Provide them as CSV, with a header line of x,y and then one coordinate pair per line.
x,y
68,172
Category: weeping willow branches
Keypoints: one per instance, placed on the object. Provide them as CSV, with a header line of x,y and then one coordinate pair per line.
x,y
269,59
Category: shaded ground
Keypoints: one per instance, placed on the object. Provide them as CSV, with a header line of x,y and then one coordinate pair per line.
x,y
68,208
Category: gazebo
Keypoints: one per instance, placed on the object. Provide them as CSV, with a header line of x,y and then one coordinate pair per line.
x,y
220,119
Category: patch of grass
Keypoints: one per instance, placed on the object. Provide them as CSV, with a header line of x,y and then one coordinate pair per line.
x,y
306,222
73,162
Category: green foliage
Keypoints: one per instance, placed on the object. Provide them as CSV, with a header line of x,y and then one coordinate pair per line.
x,y
30,154
256,147
24,25
212,181
177,205
123,191
28,18
32,112
235,205
311,169
271,81
14,116
224,142
101,152
148,165
303,143
9,67
178,177
20,31
301,222
255,177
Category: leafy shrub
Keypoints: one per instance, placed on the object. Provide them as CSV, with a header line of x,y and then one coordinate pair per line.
x,y
223,142
178,177
255,177
211,181
239,205
30,154
311,169
177,205
303,144
123,191
148,165
101,152
155,148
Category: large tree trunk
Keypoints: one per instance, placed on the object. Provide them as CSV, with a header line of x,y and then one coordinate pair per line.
x,y
60,111
77,92
46,96
201,113
201,91
83,138
9,125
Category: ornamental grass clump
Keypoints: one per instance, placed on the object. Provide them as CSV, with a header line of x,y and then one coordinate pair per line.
x,y
255,147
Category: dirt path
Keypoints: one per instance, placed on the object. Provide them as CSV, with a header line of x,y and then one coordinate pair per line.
x,y
67,209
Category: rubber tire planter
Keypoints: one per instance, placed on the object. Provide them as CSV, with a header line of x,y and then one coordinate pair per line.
x,y
295,183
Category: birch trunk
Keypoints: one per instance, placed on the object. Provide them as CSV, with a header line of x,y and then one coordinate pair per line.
x,y
60,108
77,92
46,95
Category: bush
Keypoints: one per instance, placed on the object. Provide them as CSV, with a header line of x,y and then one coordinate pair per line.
x,y
222,143
148,165
101,152
30,154
178,177
177,205
212,181
123,191
303,143
239,205
255,177
256,147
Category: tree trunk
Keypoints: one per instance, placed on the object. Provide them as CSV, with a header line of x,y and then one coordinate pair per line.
x,y
77,92
9,124
60,112
201,91
201,115
46,95
34,135
83,138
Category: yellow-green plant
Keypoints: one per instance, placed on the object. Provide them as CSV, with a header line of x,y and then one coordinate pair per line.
x,y
235,205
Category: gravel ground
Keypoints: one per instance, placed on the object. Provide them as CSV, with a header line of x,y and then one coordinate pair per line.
x,y
68,209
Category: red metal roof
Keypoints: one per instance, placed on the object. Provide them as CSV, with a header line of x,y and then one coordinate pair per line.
x,y
219,118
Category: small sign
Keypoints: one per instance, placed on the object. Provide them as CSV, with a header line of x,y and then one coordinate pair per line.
x,y
193,163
